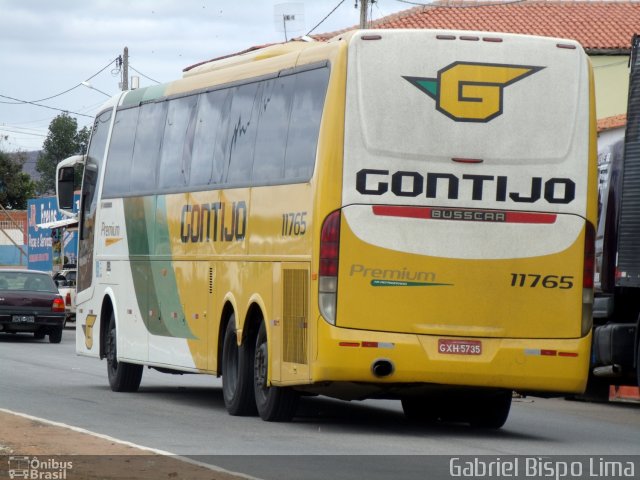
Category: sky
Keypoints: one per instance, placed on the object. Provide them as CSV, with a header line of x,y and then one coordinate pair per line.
x,y
50,46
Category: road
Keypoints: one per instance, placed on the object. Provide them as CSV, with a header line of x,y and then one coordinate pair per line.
x,y
185,415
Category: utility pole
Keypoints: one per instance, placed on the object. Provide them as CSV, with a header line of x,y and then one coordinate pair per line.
x,y
364,8
125,69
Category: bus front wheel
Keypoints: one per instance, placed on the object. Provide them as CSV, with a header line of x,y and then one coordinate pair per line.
x,y
237,372
123,377
275,404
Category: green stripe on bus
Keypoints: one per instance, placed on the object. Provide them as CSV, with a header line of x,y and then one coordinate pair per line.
x,y
395,283
154,281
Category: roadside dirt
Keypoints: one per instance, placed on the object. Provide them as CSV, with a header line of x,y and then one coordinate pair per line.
x,y
28,445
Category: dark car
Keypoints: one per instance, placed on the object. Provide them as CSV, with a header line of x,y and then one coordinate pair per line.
x,y
30,302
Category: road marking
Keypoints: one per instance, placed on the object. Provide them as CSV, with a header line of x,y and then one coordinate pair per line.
x,y
214,468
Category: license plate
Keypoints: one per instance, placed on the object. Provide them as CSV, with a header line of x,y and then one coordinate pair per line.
x,y
23,319
459,347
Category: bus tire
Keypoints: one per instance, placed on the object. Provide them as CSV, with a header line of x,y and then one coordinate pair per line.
x,y
237,373
419,409
490,411
275,404
123,377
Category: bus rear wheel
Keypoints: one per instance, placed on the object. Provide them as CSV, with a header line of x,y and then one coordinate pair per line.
x,y
275,404
490,410
237,373
420,409
123,377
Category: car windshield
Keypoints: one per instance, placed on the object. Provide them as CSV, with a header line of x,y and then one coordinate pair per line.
x,y
27,281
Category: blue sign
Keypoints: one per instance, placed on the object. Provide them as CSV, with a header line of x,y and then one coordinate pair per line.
x,y
49,248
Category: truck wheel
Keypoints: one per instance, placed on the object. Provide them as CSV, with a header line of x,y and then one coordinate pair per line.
x,y
123,377
237,372
275,404
638,364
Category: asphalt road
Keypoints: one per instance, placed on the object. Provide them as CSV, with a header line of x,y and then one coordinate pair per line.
x,y
185,415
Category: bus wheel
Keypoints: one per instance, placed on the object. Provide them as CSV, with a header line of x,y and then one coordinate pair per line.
x,y
237,372
490,410
123,377
275,404
420,409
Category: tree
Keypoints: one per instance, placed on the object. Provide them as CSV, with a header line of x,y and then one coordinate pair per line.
x,y
16,187
63,140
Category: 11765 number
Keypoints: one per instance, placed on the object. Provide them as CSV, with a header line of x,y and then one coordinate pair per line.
x,y
294,223
532,280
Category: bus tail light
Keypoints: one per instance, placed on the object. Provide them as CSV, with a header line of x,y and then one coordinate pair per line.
x,y
328,271
587,278
57,305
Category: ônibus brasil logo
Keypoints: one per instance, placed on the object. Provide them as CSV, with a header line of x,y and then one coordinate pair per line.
x,y
471,92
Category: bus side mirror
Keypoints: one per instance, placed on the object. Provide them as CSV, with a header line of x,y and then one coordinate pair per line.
x,y
66,176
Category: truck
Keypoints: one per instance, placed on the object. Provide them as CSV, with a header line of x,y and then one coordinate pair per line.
x,y
66,282
615,357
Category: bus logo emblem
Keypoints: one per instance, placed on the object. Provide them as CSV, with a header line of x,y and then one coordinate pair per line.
x,y
471,92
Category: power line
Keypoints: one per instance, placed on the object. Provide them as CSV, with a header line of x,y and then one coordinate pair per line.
x,y
328,15
67,90
22,133
17,127
44,106
148,78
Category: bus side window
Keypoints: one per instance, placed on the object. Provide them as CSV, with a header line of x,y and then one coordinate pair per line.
x,y
241,133
147,147
207,153
118,173
306,113
273,127
176,143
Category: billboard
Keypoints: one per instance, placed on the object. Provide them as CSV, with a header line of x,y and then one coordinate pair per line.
x,y
49,249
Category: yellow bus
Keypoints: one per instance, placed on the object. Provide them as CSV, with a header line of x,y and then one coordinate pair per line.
x,y
401,214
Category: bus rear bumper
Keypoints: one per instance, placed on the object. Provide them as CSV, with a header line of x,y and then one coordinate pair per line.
x,y
522,364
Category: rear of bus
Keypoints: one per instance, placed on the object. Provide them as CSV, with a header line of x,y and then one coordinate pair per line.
x,y
462,252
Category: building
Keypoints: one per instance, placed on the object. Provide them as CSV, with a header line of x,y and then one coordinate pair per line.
x,y
13,238
603,28
49,248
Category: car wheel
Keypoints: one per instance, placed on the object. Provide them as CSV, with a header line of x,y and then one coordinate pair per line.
x,y
123,377
275,404
237,373
55,335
